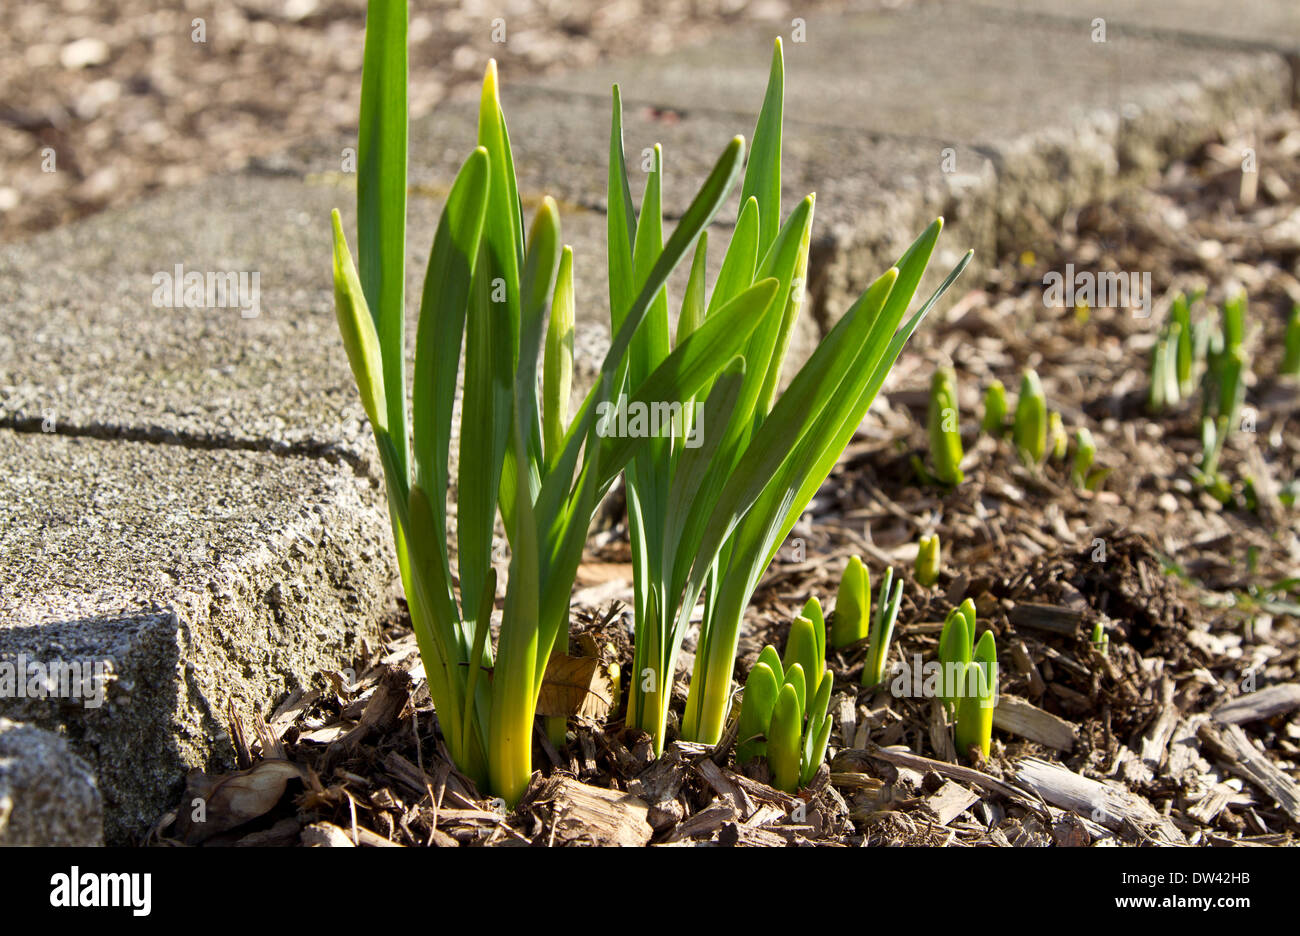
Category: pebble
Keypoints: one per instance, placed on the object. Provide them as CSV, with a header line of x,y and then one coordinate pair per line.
x,y
83,53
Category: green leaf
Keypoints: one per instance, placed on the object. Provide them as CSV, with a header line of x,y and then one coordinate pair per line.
x,y
651,343
761,690
381,199
801,650
442,322
503,231
740,260
812,610
621,226
817,730
784,734
696,218
769,656
955,647
882,631
487,395
793,305
693,308
558,372
818,751
693,364
763,174
360,339
796,677
809,396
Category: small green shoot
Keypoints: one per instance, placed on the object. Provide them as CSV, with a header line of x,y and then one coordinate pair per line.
x,y
945,433
1291,354
882,631
928,560
1029,428
995,409
852,605
1100,639
783,714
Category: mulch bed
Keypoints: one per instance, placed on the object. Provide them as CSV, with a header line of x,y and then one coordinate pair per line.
x,y
1185,731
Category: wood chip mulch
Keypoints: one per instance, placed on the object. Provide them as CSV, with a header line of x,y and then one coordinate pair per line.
x,y
1185,731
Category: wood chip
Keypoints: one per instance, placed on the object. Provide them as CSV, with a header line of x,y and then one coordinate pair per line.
x,y
326,835
1247,762
1107,805
950,801
598,815
1022,718
722,783
1256,706
704,823
1051,618
1156,739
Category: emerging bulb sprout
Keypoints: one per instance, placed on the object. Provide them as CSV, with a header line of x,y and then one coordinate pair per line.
x,y
784,712
945,434
1085,450
1291,356
1057,441
882,631
1029,428
928,560
969,688
854,621
1100,640
1184,356
852,605
995,409
1165,385
974,727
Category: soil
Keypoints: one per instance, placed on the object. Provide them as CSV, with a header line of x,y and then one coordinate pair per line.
x,y
1199,600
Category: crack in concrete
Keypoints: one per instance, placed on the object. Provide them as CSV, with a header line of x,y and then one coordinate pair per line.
x,y
155,435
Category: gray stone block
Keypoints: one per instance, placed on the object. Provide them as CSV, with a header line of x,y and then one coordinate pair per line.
x,y
48,795
195,579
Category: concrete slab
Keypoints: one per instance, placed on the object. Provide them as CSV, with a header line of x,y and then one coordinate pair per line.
x,y
1064,117
190,580
1272,24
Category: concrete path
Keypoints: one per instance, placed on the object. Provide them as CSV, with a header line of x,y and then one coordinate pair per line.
x,y
188,496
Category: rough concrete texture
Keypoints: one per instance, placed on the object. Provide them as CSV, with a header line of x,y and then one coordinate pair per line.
x,y
48,795
1271,24
199,578
1064,117
1205,24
